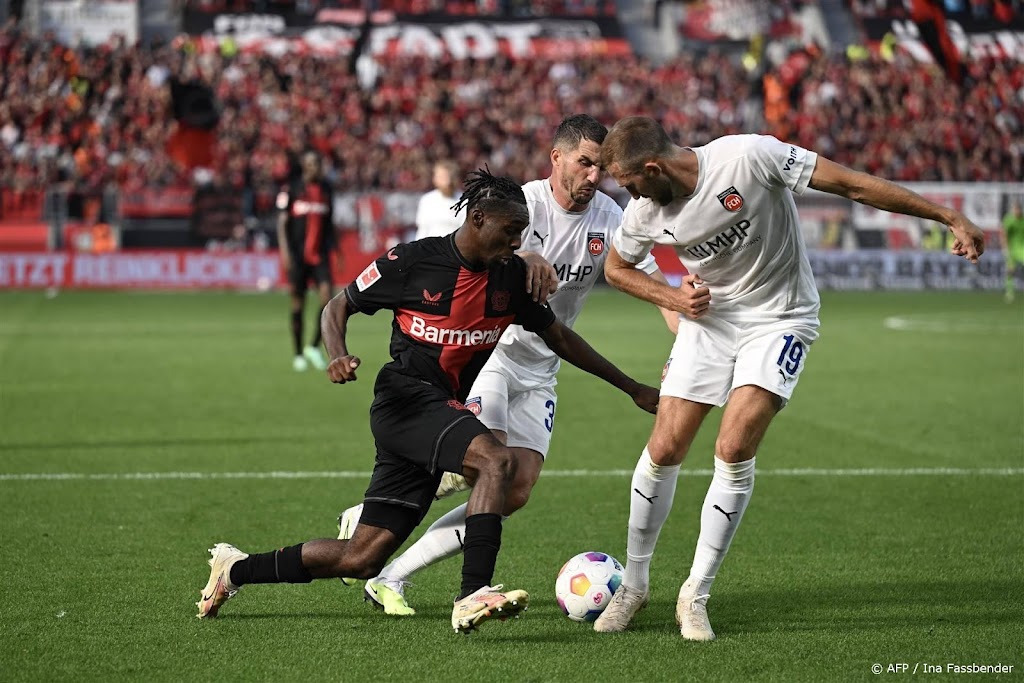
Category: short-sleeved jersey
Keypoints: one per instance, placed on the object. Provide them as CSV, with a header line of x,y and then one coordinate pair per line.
x,y
576,244
309,206
435,217
738,230
449,315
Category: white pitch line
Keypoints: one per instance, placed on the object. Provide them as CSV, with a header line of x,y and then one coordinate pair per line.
x,y
925,323
351,474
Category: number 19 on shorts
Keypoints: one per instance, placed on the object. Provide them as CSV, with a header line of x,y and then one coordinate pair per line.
x,y
792,354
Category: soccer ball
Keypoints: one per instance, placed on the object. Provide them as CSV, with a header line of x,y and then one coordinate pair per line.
x,y
586,583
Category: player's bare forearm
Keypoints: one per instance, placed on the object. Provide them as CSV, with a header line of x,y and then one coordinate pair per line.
x,y
882,194
670,316
831,177
334,324
573,348
282,236
541,279
624,276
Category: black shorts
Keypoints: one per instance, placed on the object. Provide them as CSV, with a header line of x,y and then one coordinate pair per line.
x,y
420,433
300,274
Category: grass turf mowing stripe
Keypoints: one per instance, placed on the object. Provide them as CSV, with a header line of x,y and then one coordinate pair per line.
x,y
350,474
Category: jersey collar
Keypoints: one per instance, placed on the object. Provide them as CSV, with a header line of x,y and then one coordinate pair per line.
x,y
450,239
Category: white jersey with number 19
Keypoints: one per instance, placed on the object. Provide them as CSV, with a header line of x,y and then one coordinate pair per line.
x,y
738,230
576,244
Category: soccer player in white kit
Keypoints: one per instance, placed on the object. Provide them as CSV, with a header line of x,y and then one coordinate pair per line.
x,y
571,227
434,214
750,314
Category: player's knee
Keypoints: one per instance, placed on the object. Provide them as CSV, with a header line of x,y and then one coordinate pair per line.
x,y
360,563
732,448
666,450
517,497
500,463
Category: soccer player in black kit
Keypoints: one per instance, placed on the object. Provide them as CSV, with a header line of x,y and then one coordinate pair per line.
x,y
452,298
305,236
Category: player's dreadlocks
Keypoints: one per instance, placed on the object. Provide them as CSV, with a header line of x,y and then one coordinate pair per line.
x,y
485,191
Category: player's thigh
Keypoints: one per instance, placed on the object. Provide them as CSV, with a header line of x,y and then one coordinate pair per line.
x,y
486,454
532,419
417,422
675,427
397,498
773,356
700,365
529,463
747,415
489,400
419,435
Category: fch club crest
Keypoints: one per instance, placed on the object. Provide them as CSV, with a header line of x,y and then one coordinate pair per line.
x,y
596,244
731,199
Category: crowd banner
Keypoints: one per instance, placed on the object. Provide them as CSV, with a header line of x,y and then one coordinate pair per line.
x,y
974,38
166,202
140,270
93,23
336,32
882,269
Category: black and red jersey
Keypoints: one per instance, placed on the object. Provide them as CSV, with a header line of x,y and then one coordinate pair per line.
x,y
310,227
449,314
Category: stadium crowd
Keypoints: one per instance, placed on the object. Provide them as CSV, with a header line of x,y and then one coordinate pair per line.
x,y
95,117
482,8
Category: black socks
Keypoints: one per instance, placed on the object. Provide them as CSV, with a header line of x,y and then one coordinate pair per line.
x,y
480,552
279,566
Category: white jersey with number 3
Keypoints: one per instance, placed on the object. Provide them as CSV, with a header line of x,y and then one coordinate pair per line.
x,y
738,230
576,244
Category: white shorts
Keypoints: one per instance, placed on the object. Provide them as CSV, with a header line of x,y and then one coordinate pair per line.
x,y
494,398
711,357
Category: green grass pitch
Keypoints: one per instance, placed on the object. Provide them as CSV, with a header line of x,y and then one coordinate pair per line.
x,y
830,573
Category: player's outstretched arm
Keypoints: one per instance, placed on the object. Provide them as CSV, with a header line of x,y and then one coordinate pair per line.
x,y
834,178
333,324
573,348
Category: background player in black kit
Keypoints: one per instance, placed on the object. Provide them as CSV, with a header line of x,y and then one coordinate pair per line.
x,y
452,297
305,236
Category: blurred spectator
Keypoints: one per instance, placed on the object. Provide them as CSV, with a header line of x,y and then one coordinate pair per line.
x,y
905,121
434,215
95,118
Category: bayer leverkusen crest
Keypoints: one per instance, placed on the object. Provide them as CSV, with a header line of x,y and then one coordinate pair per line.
x,y
596,243
499,301
731,199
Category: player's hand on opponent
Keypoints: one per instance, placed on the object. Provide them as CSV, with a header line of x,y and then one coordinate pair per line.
x,y
970,241
645,397
343,369
541,278
694,297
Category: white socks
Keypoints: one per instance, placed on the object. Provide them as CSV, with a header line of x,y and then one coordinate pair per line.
x,y
651,493
443,539
728,495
